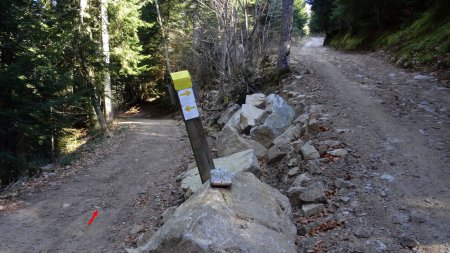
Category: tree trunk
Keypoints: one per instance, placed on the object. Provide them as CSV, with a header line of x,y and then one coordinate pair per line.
x,y
223,61
196,44
95,100
109,113
170,88
285,38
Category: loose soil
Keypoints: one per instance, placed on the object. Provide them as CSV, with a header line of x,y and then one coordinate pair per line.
x,y
397,129
130,182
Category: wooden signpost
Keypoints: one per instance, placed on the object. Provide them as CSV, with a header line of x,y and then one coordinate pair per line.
x,y
183,86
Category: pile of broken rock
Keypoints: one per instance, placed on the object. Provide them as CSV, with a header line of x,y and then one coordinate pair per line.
x,y
251,216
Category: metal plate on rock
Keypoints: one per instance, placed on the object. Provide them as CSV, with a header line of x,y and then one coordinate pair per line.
x,y
220,178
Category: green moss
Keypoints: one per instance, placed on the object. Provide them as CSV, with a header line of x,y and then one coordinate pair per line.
x,y
347,42
425,41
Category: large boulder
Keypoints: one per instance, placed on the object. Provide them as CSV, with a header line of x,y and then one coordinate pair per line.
x,y
281,116
229,142
249,116
257,99
235,120
242,161
248,217
227,114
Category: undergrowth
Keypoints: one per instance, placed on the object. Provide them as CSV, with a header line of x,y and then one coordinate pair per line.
x,y
424,42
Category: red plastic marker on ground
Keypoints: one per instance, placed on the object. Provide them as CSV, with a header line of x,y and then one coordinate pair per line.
x,y
93,217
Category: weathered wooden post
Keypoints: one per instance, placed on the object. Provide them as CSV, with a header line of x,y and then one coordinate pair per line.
x,y
183,85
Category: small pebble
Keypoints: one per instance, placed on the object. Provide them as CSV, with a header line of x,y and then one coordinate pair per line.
x,y
344,200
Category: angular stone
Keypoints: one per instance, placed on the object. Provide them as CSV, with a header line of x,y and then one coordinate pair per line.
x,y
309,152
312,166
242,161
235,120
302,119
344,200
387,177
276,153
243,218
423,77
313,193
257,99
316,109
294,195
293,162
338,152
362,232
227,114
310,127
229,142
249,116
282,114
299,107
304,229
293,172
262,134
417,216
312,209
408,242
48,168
290,134
301,180
341,183
137,228
297,145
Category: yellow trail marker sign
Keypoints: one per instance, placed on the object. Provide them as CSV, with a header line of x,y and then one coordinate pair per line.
x,y
183,85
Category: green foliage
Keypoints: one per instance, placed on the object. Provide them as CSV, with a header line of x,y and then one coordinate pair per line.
x,y
425,41
126,48
416,31
36,101
347,42
321,15
300,17
44,50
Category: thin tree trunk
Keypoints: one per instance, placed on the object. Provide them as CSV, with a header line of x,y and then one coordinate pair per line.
x,y
109,113
224,48
170,88
285,38
95,100
196,43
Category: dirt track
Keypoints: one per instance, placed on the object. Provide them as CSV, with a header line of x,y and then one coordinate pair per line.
x,y
398,132
130,187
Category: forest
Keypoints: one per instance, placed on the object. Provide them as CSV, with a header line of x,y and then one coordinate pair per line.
x,y
67,65
417,31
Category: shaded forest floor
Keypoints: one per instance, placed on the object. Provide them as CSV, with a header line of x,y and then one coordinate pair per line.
x,y
129,179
